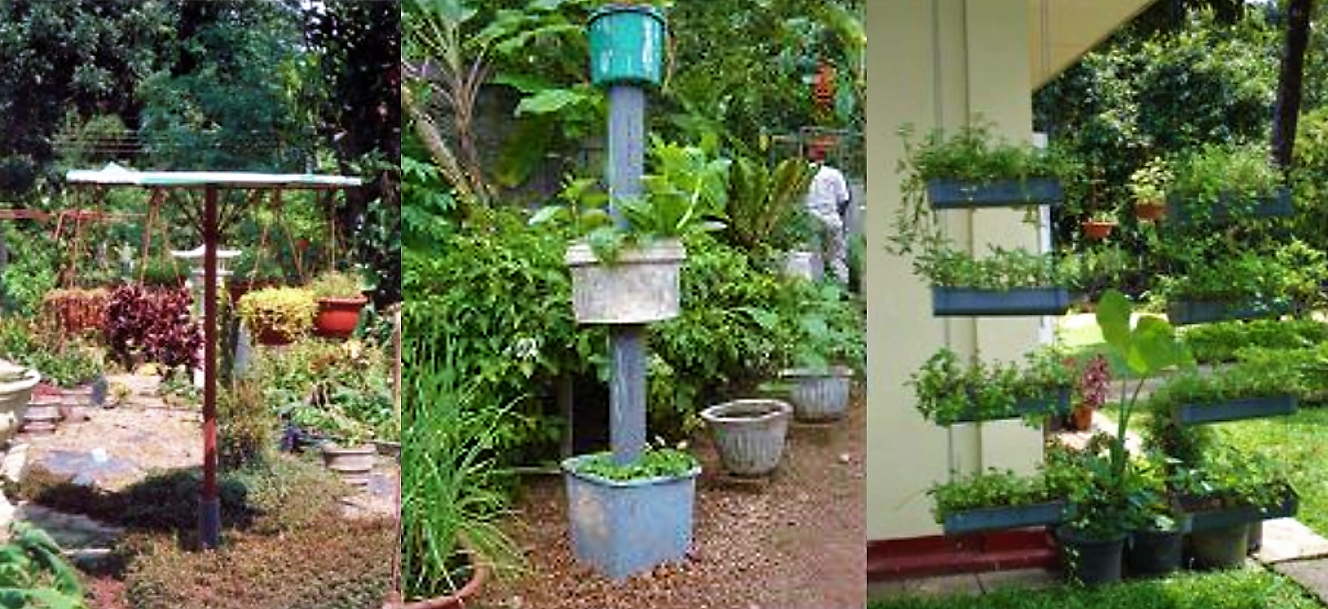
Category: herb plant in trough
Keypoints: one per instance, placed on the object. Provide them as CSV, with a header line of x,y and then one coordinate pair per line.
x,y
950,392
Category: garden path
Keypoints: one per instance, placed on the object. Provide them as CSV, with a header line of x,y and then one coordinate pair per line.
x,y
793,541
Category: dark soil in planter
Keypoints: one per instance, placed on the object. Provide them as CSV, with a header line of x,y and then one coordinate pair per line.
x,y
794,540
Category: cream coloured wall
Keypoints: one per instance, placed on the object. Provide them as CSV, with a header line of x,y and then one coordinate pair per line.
x,y
935,63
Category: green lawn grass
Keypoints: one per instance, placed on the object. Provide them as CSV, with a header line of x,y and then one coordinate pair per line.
x,y
1244,589
1299,440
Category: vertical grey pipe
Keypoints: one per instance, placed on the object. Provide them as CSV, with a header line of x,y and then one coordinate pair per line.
x,y
627,389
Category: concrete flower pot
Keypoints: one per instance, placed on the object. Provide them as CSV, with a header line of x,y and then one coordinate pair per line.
x,y
819,395
641,286
749,433
625,527
14,397
352,464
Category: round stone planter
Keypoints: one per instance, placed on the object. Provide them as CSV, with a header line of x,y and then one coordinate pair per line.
x,y
14,398
626,45
749,434
641,286
42,416
337,317
352,464
819,395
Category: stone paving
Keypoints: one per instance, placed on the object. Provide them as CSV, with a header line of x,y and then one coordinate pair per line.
x,y
112,448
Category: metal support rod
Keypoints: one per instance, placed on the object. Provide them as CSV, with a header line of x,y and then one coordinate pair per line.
x,y
209,511
627,393
627,390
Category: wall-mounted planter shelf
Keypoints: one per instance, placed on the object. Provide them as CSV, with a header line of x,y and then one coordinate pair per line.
x,y
1273,206
1208,520
1053,403
968,302
1186,312
958,194
1235,410
995,519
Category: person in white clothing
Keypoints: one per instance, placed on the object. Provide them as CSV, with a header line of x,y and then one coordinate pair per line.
x,y
826,196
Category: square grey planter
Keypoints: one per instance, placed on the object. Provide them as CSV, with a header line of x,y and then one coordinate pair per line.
x,y
1057,402
1186,312
1276,205
968,302
640,286
995,519
1235,410
959,194
626,527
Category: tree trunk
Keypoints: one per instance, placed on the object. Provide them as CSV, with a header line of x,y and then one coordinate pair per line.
x,y
1291,81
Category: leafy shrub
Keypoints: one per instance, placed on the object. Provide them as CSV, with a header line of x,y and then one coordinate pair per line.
x,y
35,574
1219,342
76,310
287,312
335,284
154,324
341,388
64,363
245,425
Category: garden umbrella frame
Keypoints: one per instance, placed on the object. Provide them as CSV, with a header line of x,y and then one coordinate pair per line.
x,y
211,182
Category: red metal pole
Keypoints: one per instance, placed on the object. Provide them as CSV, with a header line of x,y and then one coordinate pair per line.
x,y
210,503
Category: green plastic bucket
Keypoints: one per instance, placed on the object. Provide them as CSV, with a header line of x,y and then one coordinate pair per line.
x,y
626,45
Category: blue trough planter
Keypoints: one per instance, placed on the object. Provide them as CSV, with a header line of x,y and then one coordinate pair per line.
x,y
622,528
1000,518
959,194
1056,402
968,302
1186,312
1273,206
1236,410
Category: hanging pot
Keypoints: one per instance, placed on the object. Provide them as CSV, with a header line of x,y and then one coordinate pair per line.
x,y
338,317
1096,230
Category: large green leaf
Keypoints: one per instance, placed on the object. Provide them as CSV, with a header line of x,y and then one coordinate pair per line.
x,y
549,101
1113,317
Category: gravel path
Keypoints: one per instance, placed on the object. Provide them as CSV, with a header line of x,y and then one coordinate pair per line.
x,y
794,541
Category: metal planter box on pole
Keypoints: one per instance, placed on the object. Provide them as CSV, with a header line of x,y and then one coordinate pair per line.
x,y
626,527
1273,206
969,302
959,194
1055,402
1186,312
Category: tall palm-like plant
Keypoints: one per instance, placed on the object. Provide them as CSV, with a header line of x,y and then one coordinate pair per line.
x,y
451,505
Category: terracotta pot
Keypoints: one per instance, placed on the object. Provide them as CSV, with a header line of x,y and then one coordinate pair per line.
x,y
1081,419
337,317
1097,231
1150,212
456,600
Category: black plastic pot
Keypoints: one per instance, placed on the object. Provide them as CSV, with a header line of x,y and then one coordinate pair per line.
x,y
1235,410
1015,302
1255,537
959,194
1153,553
995,519
1091,561
1220,548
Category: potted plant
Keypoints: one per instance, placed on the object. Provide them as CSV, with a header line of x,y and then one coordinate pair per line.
x,y
339,302
1110,497
451,498
277,316
76,310
992,500
1223,182
826,351
1245,390
1244,285
1148,186
627,44
749,434
1227,492
1093,387
1156,548
1098,225
627,272
949,392
1008,282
